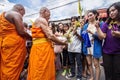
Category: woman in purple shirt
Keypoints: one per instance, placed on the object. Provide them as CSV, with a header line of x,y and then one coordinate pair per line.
x,y
111,48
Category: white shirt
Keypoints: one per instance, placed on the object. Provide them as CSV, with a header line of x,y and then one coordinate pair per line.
x,y
75,44
92,28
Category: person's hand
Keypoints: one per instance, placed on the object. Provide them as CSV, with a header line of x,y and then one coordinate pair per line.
x,y
97,25
74,32
68,37
66,44
115,33
89,31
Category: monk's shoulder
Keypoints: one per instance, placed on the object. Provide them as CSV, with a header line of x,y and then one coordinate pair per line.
x,y
13,14
40,21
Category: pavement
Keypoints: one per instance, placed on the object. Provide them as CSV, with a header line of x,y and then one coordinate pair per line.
x,y
60,77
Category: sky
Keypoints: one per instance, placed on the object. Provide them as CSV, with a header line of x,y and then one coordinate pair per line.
x,y
60,9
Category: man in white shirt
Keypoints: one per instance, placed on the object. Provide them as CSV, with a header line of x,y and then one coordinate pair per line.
x,y
74,50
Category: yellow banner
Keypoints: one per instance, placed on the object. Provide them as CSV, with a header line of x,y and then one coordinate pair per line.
x,y
79,9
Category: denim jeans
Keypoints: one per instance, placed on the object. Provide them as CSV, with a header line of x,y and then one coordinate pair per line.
x,y
75,58
66,61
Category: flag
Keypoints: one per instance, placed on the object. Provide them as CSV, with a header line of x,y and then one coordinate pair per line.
x,y
79,9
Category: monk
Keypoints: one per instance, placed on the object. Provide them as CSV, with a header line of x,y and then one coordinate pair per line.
x,y
42,57
12,43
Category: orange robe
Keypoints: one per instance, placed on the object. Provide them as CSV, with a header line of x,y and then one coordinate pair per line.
x,y
0,57
12,51
42,58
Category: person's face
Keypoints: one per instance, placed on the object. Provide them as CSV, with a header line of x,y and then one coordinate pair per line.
x,y
47,15
65,28
81,23
60,26
91,16
22,11
73,21
113,12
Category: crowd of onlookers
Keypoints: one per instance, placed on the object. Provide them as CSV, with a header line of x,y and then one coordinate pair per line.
x,y
84,48
75,48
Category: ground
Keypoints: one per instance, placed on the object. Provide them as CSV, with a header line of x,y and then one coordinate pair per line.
x,y
60,77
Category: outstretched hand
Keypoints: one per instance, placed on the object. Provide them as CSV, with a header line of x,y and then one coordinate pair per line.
x,y
66,42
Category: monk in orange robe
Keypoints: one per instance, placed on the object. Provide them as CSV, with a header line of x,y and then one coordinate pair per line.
x,y
42,57
12,43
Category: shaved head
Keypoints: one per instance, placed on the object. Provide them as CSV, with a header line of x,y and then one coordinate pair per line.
x,y
43,10
45,13
20,8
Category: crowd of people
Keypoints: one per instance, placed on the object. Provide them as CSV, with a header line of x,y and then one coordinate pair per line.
x,y
39,52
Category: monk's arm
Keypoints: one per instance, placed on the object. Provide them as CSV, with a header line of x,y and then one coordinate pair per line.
x,y
20,27
48,32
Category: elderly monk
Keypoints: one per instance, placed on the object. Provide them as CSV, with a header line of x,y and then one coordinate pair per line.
x,y
12,43
42,57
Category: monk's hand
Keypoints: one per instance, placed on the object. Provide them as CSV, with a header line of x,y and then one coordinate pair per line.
x,y
65,43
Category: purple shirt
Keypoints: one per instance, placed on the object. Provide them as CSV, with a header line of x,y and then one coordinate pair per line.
x,y
111,44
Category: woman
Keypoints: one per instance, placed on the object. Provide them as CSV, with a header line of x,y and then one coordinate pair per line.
x,y
91,44
66,62
59,48
85,71
111,48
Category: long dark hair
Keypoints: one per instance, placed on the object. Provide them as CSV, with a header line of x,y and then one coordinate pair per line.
x,y
95,13
58,27
66,24
117,6
74,17
53,27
